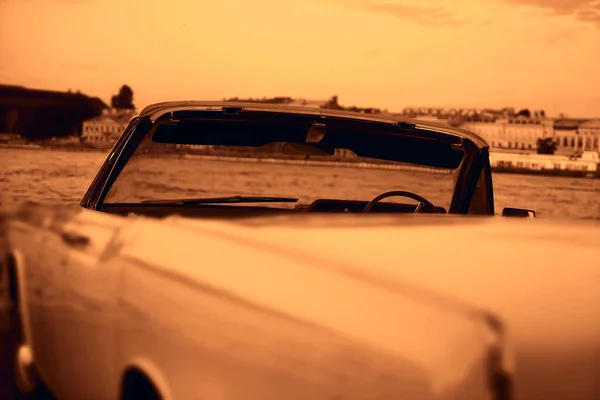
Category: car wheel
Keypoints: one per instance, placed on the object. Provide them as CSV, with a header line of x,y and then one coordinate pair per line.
x,y
137,386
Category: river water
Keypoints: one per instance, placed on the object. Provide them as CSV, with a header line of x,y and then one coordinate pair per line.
x,y
53,176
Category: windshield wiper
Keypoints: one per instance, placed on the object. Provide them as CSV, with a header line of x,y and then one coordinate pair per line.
x,y
229,199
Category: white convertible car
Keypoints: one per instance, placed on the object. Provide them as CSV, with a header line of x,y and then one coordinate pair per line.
x,y
231,251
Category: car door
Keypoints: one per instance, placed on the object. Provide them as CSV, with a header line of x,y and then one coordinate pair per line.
x,y
90,299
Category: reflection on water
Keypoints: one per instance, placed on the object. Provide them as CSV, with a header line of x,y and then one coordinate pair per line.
x,y
62,177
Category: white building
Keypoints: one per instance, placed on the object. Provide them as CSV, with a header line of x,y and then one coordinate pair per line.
x,y
577,137
516,134
104,130
590,131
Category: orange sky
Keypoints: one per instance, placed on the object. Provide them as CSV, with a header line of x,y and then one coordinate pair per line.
x,y
382,53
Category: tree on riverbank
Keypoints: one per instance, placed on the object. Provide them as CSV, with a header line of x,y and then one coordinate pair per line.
x,y
524,113
332,104
37,114
546,146
124,99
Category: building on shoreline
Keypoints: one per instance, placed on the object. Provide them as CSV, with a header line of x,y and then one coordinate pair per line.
x,y
577,136
280,100
483,114
572,137
590,131
515,133
507,130
104,130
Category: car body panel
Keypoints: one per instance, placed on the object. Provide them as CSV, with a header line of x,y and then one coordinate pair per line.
x,y
88,312
294,281
230,319
541,277
40,289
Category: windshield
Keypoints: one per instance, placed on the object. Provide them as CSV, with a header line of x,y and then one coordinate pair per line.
x,y
158,171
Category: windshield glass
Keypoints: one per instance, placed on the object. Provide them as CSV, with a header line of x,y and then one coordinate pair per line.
x,y
158,171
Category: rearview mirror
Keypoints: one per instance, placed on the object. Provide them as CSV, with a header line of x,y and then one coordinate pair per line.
x,y
518,212
304,149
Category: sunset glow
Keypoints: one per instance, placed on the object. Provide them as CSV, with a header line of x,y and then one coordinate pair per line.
x,y
541,54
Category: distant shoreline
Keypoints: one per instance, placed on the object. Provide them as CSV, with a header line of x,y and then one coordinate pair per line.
x,y
275,160
336,163
47,148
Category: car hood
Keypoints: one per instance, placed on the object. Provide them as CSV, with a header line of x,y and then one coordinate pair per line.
x,y
517,267
541,276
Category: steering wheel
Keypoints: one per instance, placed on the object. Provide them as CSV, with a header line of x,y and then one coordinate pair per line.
x,y
423,202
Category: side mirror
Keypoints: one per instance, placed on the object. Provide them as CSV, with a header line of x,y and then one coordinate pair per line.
x,y
518,212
